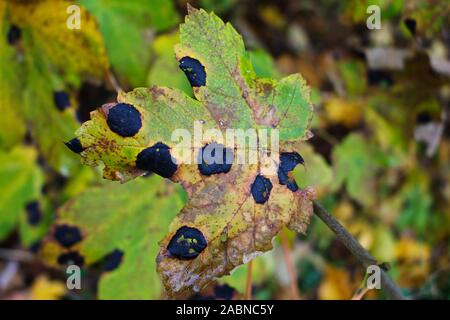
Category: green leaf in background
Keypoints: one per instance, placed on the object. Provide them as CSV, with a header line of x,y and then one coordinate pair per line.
x,y
353,74
417,205
355,166
316,172
21,182
218,6
262,267
165,70
129,219
124,26
50,127
388,134
11,124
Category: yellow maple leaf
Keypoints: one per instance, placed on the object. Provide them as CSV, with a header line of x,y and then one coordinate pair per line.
x,y
71,51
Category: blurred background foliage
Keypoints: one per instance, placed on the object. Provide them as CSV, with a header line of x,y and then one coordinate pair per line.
x,y
379,158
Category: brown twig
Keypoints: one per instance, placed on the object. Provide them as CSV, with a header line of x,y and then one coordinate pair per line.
x,y
295,292
357,250
248,291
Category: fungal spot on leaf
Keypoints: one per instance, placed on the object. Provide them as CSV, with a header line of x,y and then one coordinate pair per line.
x,y
61,100
74,145
67,235
215,158
124,119
14,34
113,260
187,243
157,159
411,24
34,214
288,161
260,189
72,257
194,71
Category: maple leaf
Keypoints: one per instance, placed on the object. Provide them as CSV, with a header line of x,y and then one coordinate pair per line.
x,y
21,205
116,233
72,52
234,210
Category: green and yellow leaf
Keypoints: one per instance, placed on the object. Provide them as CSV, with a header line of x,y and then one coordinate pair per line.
x,y
128,218
221,206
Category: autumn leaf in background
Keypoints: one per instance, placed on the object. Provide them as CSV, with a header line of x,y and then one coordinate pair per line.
x,y
23,203
41,69
43,63
119,233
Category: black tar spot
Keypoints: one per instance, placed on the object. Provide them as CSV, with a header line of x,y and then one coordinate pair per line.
x,y
67,235
34,214
157,159
61,100
187,243
113,260
74,145
261,188
288,161
194,71
14,34
72,257
411,24
210,164
124,119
